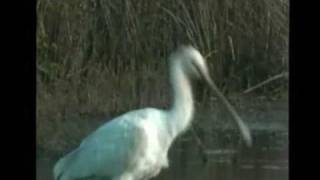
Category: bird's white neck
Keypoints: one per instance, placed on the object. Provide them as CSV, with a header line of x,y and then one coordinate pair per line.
x,y
181,112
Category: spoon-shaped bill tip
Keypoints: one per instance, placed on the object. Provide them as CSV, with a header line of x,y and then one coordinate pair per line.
x,y
244,130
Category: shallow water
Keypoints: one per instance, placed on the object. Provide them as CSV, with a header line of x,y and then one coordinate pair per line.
x,y
224,157
264,161
263,170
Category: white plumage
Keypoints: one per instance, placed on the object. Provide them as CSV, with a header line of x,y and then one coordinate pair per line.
x,y
134,146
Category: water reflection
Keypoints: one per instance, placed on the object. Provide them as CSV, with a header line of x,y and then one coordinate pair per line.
x,y
227,170
267,160
260,162
224,156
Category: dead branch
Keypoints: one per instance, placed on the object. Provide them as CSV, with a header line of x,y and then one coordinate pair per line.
x,y
278,76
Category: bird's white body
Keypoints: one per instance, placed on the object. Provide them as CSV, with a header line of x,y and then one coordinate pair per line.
x,y
135,145
130,143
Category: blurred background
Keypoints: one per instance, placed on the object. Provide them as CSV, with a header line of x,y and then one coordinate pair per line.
x,y
97,59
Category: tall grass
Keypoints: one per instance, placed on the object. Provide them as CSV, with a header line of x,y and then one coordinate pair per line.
x,y
98,58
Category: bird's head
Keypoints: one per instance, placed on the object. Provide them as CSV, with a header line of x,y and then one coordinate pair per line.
x,y
192,62
195,66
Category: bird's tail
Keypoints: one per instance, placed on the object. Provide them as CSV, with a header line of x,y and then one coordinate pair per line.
x,y
59,168
62,165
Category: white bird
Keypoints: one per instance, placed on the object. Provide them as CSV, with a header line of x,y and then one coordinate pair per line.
x,y
134,146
